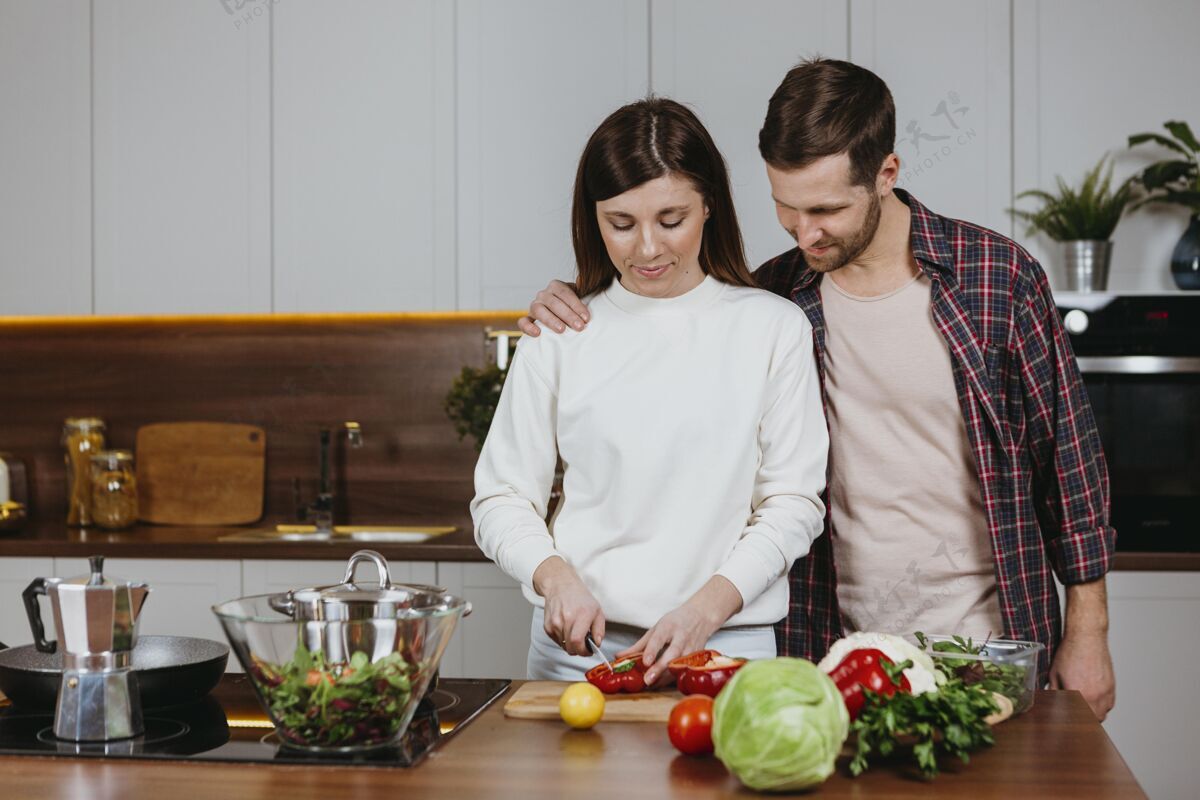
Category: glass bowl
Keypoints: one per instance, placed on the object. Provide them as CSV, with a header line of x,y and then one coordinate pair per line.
x,y
1006,666
339,686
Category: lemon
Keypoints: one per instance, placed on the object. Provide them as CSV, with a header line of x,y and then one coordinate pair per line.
x,y
581,705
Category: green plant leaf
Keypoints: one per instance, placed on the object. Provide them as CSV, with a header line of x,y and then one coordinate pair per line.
x,y
1159,175
1090,212
1158,138
1181,131
471,402
1188,198
1038,193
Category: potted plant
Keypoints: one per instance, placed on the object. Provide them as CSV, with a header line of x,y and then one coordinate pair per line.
x,y
1176,181
471,401
1083,220
471,405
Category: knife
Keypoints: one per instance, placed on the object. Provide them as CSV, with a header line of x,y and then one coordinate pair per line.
x,y
596,651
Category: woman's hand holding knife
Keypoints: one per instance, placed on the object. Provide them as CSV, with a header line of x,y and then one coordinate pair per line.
x,y
571,611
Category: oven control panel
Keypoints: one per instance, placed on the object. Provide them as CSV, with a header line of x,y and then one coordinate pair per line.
x,y
1132,325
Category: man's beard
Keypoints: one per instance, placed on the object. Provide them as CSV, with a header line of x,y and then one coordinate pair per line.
x,y
843,251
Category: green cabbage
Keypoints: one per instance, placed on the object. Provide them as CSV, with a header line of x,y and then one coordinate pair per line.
x,y
779,724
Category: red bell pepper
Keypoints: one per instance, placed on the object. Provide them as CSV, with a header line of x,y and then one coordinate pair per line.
x,y
862,669
627,675
704,672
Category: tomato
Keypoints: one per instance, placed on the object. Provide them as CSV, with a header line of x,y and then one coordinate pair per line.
x,y
581,705
315,676
690,725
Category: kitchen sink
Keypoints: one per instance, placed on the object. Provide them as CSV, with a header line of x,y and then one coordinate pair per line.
x,y
396,534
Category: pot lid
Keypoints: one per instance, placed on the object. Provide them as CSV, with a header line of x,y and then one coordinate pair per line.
x,y
352,600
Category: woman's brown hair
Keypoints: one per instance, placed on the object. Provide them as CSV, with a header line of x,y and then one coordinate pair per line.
x,y
638,143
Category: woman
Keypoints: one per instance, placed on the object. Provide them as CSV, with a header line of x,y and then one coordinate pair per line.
x,y
687,417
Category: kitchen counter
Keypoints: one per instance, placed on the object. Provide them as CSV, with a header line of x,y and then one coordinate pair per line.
x,y
1057,749
54,539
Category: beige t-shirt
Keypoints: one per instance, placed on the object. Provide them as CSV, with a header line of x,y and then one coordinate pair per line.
x,y
911,541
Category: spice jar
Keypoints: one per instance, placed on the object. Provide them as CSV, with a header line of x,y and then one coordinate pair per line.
x,y
114,490
83,437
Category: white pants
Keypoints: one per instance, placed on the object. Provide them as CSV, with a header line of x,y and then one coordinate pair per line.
x,y
549,662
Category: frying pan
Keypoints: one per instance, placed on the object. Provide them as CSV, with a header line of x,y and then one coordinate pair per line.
x,y
170,670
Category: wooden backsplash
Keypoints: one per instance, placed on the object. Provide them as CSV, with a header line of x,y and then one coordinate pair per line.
x,y
291,374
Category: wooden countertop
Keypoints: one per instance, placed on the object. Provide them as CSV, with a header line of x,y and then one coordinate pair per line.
x,y
1057,749
158,541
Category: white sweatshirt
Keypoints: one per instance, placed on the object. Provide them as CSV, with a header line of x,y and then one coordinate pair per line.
x,y
693,441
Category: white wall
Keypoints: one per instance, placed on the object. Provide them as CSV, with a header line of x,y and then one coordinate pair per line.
x,y
534,79
364,155
181,156
1087,74
947,64
697,58
309,155
45,158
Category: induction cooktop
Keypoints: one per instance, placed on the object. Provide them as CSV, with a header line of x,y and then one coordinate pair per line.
x,y
229,725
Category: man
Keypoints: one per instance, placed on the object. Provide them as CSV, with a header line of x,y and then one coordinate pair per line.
x,y
964,460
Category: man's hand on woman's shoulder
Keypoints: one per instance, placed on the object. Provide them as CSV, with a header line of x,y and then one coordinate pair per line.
x,y
556,307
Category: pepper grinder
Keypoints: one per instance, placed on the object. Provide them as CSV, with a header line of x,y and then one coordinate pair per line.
x,y
96,620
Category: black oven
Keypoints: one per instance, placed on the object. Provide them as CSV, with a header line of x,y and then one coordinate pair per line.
x,y
1140,359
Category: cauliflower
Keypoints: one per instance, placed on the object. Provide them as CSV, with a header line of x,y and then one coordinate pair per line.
x,y
922,675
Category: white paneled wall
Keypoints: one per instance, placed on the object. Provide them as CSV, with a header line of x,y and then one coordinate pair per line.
x,y
310,155
45,158
364,153
1087,75
181,159
535,78
725,64
947,64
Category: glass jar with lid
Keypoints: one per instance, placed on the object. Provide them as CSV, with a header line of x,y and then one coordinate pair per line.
x,y
82,437
114,490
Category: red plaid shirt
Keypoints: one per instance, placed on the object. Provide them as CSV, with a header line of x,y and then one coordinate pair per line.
x,y
1042,475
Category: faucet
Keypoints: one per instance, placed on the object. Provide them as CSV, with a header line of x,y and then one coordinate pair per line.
x,y
320,511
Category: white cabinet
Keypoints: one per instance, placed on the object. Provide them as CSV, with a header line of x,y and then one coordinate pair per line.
x,y
181,118
15,575
182,591
264,576
1154,642
45,158
364,155
1075,98
535,77
493,642
168,157
947,64
728,87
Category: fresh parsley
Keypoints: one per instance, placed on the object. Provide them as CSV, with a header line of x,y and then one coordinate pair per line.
x,y
947,722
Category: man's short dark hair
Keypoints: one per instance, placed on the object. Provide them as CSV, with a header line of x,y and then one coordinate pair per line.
x,y
826,107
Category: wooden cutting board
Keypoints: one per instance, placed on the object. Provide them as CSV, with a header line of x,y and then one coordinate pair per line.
x,y
539,700
200,473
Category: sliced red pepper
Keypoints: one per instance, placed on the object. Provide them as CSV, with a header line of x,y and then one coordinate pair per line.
x,y
627,675
704,672
861,669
